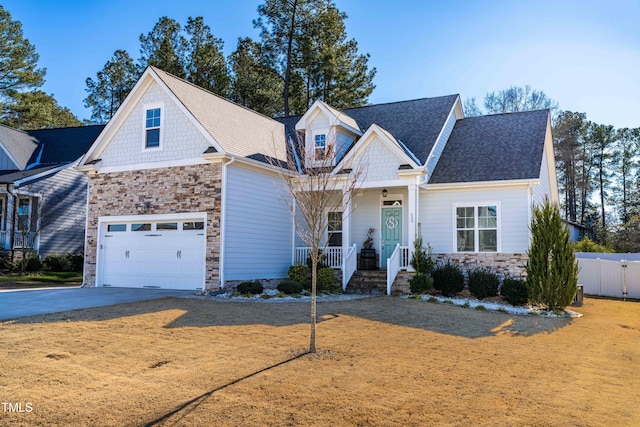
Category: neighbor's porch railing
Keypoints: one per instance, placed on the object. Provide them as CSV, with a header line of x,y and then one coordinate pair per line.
x,y
332,256
23,239
405,257
350,265
393,267
4,238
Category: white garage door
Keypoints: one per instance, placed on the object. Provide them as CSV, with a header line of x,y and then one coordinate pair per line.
x,y
155,254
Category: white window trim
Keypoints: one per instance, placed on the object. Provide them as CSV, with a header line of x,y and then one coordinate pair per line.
x,y
476,234
311,146
145,108
327,211
29,216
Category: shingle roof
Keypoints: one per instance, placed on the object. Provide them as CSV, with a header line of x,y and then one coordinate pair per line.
x,y
494,148
237,129
9,177
62,145
417,123
19,144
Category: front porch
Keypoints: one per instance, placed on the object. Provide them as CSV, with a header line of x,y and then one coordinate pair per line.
x,y
336,258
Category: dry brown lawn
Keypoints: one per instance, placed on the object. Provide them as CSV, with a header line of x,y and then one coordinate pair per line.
x,y
382,362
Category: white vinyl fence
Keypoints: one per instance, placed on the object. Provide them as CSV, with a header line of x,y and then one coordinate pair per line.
x,y
611,278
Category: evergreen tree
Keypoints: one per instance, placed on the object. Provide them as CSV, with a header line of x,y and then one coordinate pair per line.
x,y
111,87
255,83
37,110
552,270
205,64
18,59
568,134
602,138
164,47
625,156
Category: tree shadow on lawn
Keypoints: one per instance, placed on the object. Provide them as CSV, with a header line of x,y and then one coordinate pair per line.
x,y
441,318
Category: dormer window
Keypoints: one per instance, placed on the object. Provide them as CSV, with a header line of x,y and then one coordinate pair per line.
x,y
320,141
152,126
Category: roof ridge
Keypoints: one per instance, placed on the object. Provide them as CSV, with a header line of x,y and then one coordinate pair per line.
x,y
403,101
156,69
508,113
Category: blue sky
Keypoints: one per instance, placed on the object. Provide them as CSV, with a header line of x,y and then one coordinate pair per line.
x,y
584,54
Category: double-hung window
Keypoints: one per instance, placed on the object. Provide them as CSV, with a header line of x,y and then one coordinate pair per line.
x,y
152,127
477,228
335,229
320,145
24,214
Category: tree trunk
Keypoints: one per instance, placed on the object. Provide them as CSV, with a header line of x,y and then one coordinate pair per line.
x,y
314,281
287,71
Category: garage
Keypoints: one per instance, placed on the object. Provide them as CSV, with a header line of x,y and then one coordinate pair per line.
x,y
152,252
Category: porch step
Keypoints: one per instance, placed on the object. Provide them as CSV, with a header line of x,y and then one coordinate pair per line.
x,y
370,282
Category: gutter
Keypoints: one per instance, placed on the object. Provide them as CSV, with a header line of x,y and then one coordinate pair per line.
x,y
13,228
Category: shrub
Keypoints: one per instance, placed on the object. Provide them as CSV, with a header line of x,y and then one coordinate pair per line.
x,y
587,245
33,264
253,288
290,287
327,280
514,291
448,278
483,283
421,260
57,262
552,270
76,261
420,283
300,273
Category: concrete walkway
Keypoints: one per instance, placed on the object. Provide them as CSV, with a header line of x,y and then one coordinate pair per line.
x,y
20,303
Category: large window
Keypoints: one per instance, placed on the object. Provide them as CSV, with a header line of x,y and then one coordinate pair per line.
x,y
152,128
335,228
477,228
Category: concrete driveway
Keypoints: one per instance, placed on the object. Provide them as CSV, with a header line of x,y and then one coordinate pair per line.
x,y
20,303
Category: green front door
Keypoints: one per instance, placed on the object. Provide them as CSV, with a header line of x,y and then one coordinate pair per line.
x,y
391,232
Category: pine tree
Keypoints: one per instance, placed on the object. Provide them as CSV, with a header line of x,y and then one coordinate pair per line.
x,y
205,65
164,47
552,270
111,87
18,59
37,110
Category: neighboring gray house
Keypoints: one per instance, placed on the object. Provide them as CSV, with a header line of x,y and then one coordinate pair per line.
x,y
42,197
180,195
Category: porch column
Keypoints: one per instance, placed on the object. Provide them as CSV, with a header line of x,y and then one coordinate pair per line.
x,y
412,206
346,221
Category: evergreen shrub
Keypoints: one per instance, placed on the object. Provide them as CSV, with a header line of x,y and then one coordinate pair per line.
x,y
514,291
483,283
290,287
448,278
253,288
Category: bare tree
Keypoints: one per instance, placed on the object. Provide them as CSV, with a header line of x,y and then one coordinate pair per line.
x,y
314,188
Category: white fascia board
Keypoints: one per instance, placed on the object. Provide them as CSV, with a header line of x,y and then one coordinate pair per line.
x,y
157,217
452,111
551,162
24,181
483,184
254,164
141,166
366,139
334,120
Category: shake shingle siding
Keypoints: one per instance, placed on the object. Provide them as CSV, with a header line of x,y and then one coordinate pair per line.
x,y
494,148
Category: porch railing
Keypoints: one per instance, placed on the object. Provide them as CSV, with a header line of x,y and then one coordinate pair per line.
x,y
393,267
23,239
4,238
332,256
405,260
350,265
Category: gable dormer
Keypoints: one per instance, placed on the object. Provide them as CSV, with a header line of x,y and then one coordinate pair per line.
x,y
328,134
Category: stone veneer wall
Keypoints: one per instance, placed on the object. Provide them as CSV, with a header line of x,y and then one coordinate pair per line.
x,y
182,189
504,264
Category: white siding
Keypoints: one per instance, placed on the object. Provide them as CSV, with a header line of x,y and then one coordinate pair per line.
x,y
367,213
180,138
440,143
258,240
377,162
544,188
437,216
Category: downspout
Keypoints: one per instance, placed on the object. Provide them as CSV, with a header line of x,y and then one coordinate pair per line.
x,y
223,220
86,242
530,207
14,208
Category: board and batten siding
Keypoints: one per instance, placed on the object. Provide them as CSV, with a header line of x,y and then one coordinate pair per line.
x,y
258,226
437,214
63,211
180,139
